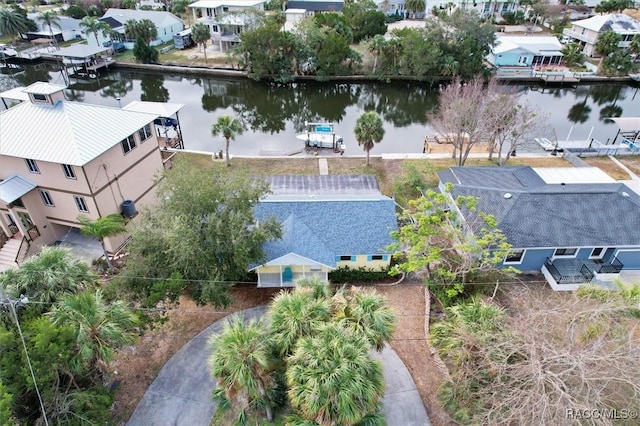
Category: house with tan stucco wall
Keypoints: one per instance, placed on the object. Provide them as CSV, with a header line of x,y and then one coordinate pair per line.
x,y
586,31
61,159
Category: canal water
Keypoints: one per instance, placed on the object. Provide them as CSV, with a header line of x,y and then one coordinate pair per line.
x,y
273,113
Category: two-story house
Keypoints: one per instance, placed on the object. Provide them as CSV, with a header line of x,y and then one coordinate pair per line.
x,y
226,19
61,159
586,31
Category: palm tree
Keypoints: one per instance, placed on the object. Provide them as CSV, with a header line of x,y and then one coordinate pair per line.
x,y
50,18
48,275
107,226
332,380
297,314
375,45
369,130
415,6
181,7
128,4
12,22
364,313
93,25
228,127
242,364
99,328
607,43
634,46
200,34
572,53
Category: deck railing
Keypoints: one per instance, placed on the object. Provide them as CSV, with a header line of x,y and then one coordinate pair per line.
x,y
584,275
613,267
22,250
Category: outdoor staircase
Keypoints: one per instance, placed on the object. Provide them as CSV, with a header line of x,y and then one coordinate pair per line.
x,y
8,254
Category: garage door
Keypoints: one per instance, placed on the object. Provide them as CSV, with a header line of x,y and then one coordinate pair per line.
x,y
629,258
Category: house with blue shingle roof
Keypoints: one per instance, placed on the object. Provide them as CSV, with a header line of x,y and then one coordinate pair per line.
x,y
328,222
575,225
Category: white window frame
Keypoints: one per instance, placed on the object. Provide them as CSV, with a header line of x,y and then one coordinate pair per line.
x,y
69,173
81,204
565,256
128,144
514,262
46,198
144,133
601,255
32,166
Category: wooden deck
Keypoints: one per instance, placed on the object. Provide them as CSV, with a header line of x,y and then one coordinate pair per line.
x,y
558,78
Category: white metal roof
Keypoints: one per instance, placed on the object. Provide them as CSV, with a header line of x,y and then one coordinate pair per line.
x,y
569,175
158,108
42,88
14,187
16,93
618,22
627,124
79,51
534,44
160,18
67,132
212,4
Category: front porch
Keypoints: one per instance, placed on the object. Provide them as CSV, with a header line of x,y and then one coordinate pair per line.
x,y
569,274
287,278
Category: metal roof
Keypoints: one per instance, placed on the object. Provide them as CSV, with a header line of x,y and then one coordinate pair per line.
x,y
212,4
17,93
573,175
42,88
617,22
533,44
67,132
159,108
331,185
79,51
14,187
160,18
627,124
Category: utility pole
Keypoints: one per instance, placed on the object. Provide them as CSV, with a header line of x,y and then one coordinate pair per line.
x,y
23,300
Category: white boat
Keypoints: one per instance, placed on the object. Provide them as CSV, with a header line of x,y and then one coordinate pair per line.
x,y
546,144
321,135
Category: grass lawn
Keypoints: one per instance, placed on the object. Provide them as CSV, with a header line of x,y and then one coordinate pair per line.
x,y
632,162
609,167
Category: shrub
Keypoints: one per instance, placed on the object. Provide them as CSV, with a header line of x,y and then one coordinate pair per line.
x,y
361,274
144,53
75,12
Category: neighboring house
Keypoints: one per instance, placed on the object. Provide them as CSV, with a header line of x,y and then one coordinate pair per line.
x,y
525,51
586,31
60,159
575,225
484,8
328,222
391,7
167,24
69,29
225,18
316,6
153,4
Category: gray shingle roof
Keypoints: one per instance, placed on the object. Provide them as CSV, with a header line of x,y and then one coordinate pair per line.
x,y
556,215
322,230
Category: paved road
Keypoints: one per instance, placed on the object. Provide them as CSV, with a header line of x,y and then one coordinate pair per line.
x,y
181,394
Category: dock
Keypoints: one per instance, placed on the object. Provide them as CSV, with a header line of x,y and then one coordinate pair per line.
x,y
558,77
83,60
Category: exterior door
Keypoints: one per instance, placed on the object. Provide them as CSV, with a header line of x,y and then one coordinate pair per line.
x,y
287,275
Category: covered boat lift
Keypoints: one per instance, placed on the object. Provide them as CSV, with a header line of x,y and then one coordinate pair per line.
x,y
628,131
168,123
83,60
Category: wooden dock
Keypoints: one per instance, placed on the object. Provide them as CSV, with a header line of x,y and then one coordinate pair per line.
x,y
558,78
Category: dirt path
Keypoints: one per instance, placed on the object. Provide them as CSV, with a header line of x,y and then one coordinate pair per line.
x,y
410,344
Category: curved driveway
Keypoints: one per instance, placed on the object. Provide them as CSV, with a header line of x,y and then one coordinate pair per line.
x,y
181,393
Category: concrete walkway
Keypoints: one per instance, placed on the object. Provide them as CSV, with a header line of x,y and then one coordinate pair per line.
x,y
323,166
181,393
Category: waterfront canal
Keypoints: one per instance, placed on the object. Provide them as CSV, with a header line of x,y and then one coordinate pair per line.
x,y
274,114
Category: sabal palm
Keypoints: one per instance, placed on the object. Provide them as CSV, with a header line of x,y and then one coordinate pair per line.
x,y
48,275
98,328
242,363
634,46
331,378
364,313
12,22
201,35
415,6
107,226
369,130
375,46
51,19
295,315
607,43
228,127
93,25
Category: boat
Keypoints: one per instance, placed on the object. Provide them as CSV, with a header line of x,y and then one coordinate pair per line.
x,y
547,145
321,135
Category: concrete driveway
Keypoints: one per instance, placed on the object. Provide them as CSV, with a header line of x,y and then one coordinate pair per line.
x,y
181,394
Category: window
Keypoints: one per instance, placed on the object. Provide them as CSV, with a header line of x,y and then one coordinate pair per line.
x,y
46,198
31,165
597,253
81,204
514,256
128,144
144,133
565,252
345,258
377,257
68,171
39,97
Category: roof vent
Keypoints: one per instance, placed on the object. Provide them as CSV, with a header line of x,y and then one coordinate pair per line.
x,y
625,194
507,195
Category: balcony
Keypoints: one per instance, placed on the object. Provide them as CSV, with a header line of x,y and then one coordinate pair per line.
x,y
569,274
579,36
